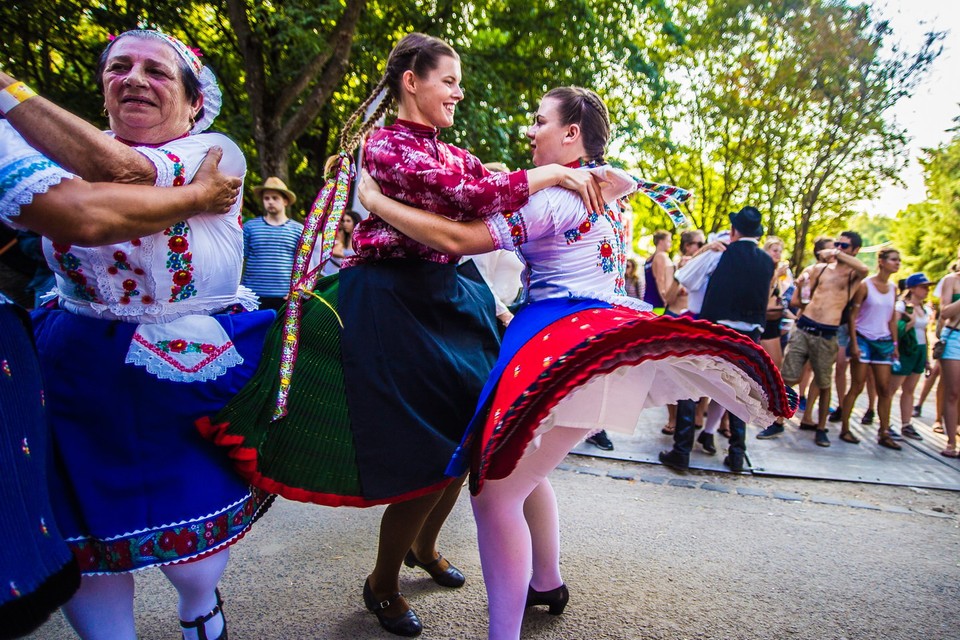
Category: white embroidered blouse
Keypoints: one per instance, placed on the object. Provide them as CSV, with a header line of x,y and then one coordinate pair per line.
x,y
569,252
171,282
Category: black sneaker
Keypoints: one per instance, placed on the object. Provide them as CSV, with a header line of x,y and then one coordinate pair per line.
x,y
917,410
836,415
601,441
821,438
909,432
894,434
868,416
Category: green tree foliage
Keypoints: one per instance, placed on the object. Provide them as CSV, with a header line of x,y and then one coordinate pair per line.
x,y
293,70
929,232
780,104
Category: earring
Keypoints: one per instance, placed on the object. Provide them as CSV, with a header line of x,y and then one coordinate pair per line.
x,y
193,122
105,114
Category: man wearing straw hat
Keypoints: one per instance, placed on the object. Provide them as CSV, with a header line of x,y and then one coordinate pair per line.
x,y
270,244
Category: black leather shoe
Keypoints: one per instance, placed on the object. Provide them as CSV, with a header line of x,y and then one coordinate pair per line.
x,y
675,460
556,599
706,441
200,623
406,624
449,577
734,462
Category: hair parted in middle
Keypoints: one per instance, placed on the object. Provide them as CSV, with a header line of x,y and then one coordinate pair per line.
x,y
416,52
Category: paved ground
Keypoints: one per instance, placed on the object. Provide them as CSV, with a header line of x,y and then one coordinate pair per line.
x,y
647,553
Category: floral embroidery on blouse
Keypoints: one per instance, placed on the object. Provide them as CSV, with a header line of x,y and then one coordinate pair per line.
x,y
72,268
180,262
518,227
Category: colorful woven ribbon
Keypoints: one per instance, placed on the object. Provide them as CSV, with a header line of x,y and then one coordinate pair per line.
x,y
325,214
667,197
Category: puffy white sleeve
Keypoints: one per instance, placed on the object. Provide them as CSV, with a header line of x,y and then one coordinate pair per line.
x,y
177,161
24,173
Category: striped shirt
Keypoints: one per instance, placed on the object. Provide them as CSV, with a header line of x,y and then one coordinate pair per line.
x,y
268,253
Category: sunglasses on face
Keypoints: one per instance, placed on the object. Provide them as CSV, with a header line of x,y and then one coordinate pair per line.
x,y
841,245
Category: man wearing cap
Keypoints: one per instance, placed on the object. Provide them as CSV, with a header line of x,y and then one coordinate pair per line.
x,y
270,244
822,293
733,281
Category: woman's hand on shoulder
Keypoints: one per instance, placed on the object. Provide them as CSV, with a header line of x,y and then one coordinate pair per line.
x,y
217,192
584,183
369,191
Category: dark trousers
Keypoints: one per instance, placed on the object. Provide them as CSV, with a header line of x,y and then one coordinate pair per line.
x,y
684,433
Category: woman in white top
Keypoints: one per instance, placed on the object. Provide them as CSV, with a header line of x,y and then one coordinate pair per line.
x,y
580,355
913,318
147,335
873,322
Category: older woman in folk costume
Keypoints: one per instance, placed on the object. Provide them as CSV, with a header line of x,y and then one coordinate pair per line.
x,y
417,342
577,345
134,485
39,571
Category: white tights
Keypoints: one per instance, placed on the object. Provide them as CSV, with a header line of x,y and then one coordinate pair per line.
x,y
518,532
714,417
102,609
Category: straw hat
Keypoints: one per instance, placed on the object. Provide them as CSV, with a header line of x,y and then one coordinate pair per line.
x,y
275,184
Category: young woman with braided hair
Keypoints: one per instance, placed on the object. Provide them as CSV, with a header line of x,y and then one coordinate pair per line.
x,y
417,342
580,355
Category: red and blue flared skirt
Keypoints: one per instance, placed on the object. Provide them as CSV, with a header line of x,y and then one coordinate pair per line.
x,y
590,364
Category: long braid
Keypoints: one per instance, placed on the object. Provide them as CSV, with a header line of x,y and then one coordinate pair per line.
x,y
349,142
385,104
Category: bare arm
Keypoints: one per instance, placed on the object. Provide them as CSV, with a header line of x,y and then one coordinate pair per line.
x,y
861,270
435,231
858,297
90,214
663,275
950,310
75,144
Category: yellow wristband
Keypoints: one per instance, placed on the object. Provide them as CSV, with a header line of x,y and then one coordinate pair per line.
x,y
13,95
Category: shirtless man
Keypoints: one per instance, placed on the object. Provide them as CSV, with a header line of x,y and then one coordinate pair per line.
x,y
658,272
823,290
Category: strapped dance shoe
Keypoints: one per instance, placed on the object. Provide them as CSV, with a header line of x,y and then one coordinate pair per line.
x,y
406,624
200,622
449,577
556,599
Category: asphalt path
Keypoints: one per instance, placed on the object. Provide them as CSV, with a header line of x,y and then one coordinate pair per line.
x,y
658,556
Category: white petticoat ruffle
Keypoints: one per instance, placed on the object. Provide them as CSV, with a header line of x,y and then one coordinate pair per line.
x,y
189,349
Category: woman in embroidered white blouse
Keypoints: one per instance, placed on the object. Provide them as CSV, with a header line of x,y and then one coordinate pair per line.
x,y
143,338
581,356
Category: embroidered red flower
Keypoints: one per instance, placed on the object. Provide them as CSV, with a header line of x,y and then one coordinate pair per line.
x,y
124,299
77,277
178,181
119,256
584,226
60,247
177,244
86,556
136,242
129,285
146,549
186,543
182,277
516,231
113,271
207,348
167,540
139,271
147,299
606,250
177,346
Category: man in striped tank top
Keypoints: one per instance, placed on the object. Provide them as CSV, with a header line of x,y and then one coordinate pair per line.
x,y
270,244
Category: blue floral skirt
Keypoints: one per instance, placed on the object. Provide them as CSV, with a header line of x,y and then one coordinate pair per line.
x,y
134,484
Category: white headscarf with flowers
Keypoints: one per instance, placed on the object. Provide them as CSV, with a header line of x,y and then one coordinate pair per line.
x,y
212,98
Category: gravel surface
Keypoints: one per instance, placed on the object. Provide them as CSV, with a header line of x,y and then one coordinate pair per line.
x,y
643,559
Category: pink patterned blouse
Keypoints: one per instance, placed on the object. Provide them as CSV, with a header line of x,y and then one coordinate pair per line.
x,y
411,165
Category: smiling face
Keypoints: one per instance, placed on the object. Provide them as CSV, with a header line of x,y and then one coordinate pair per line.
x,y
432,100
144,93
